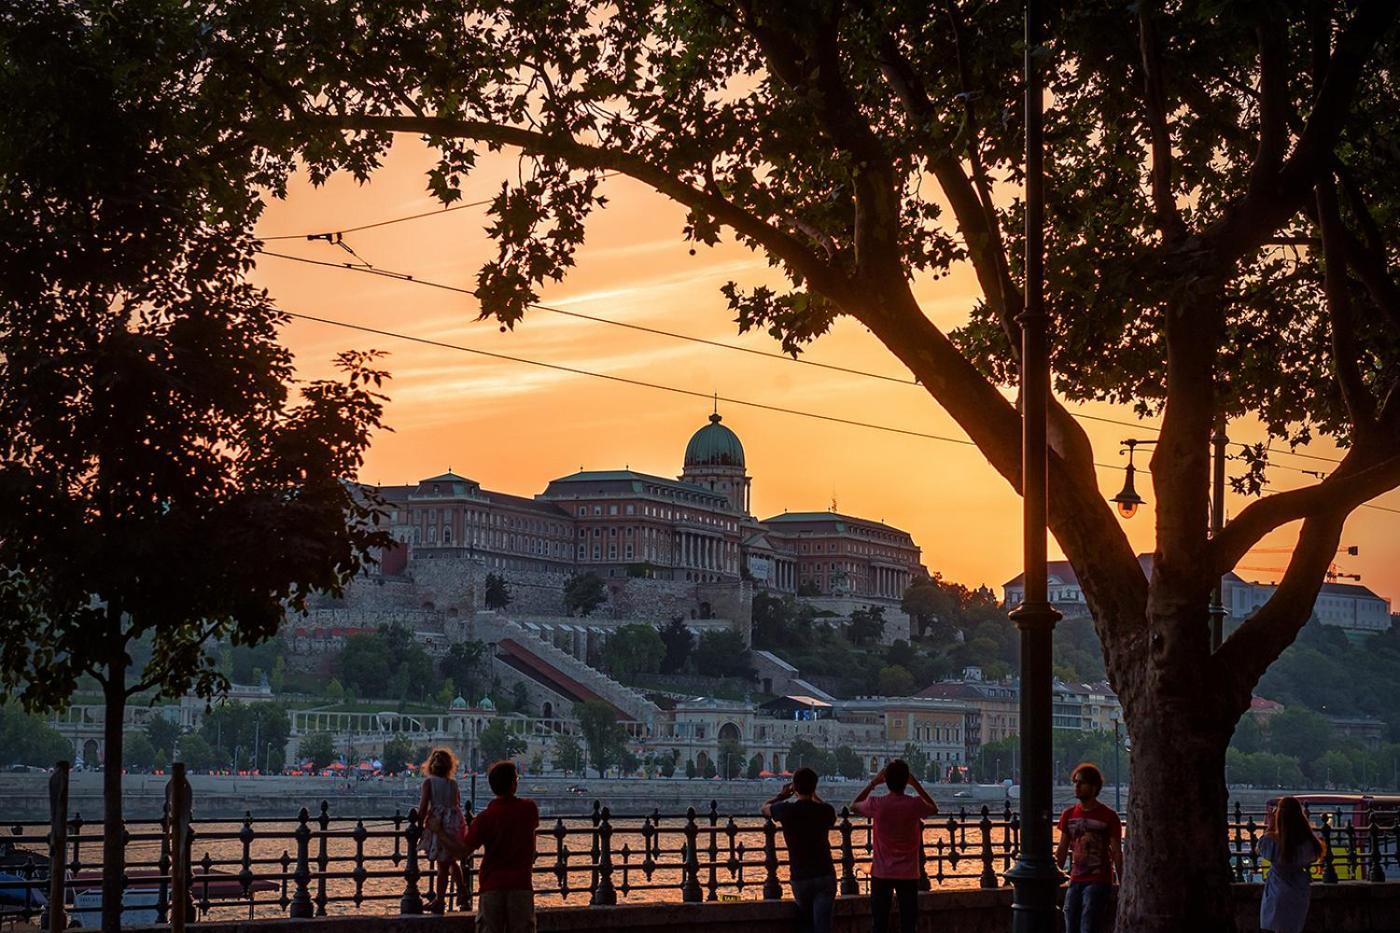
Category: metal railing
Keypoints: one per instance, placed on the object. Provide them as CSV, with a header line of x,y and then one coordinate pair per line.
x,y
319,863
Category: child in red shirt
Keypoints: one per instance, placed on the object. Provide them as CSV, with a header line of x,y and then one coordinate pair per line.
x,y
506,830
1093,835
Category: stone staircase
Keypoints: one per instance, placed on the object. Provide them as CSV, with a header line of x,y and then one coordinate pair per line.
x,y
628,701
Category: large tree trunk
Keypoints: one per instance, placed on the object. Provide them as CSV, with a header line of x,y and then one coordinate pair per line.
x,y
113,846
1177,873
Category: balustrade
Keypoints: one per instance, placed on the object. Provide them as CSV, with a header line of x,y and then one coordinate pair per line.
x,y
327,863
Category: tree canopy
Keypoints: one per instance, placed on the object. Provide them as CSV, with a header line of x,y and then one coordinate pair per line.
x,y
1221,227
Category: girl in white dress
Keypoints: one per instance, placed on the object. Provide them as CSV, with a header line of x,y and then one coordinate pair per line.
x,y
440,815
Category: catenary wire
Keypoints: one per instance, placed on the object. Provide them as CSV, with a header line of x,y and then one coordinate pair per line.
x,y
321,234
719,344
640,383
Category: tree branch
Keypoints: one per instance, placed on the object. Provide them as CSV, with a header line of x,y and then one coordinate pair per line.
x,y
1341,492
1256,644
1155,99
1273,102
1361,405
1254,216
782,244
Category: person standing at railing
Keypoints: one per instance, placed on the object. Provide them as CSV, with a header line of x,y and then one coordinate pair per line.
x,y
505,830
444,825
1291,845
897,825
806,824
1092,836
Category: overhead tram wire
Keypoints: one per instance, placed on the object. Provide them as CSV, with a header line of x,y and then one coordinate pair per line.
x,y
367,268
323,234
639,383
335,238
692,393
326,234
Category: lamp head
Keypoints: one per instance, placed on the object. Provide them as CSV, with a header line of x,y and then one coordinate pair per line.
x,y
1128,500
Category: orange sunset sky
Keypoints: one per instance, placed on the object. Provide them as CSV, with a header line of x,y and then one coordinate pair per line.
x,y
513,427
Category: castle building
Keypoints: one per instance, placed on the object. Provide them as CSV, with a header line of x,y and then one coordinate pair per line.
x,y
616,523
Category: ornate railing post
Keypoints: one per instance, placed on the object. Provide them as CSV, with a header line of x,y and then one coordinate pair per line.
x,y
604,894
178,795
1329,861
466,898
58,847
690,874
648,861
772,890
322,861
989,874
713,885
359,873
245,869
731,833
924,883
1353,866
561,858
412,901
163,866
301,906
849,885
1237,850
1377,874
597,817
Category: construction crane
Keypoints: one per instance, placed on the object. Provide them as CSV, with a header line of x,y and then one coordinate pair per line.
x,y
1334,573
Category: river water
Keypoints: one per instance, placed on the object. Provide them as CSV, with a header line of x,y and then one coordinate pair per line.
x,y
731,861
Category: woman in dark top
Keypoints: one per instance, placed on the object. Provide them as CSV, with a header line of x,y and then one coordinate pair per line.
x,y
806,823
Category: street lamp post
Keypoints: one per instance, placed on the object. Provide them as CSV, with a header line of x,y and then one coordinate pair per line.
x,y
1128,501
1035,877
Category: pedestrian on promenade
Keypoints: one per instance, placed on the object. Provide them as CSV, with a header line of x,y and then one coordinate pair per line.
x,y
897,826
506,831
1291,846
1092,836
806,824
440,806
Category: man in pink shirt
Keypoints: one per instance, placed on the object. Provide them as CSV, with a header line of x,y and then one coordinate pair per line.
x,y
897,827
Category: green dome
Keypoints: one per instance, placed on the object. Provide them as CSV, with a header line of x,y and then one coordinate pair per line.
x,y
459,703
714,445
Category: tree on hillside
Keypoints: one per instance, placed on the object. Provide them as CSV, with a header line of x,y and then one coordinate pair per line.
x,y
679,642
604,735
159,473
496,594
164,733
567,755
732,758
1221,223
722,654
398,754
387,662
466,664
634,649
318,748
803,754
499,743
250,735
866,625
138,750
896,681
25,739
584,592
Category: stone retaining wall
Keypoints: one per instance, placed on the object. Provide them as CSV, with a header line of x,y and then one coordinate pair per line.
x,y
1342,908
